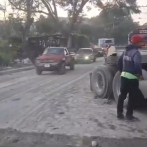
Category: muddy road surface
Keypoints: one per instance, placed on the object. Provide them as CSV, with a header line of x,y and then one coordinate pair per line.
x,y
59,110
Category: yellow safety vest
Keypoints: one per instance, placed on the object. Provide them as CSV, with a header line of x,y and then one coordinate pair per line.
x,y
128,75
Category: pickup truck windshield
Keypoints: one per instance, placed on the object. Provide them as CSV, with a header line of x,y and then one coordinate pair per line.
x,y
108,41
50,51
84,51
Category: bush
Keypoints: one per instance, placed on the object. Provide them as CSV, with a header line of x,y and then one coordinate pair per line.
x,y
7,53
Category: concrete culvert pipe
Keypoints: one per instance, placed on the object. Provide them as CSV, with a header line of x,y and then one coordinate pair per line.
x,y
101,81
142,85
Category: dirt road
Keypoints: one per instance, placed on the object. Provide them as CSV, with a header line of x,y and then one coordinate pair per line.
x,y
59,111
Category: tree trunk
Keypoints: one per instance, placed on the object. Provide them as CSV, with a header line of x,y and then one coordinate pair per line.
x,y
69,42
26,30
28,21
71,28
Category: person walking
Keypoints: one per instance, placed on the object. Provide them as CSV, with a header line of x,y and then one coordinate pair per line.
x,y
129,65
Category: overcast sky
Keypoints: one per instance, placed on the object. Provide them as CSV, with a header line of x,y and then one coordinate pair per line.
x,y
142,18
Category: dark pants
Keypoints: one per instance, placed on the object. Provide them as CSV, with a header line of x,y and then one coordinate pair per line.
x,y
131,87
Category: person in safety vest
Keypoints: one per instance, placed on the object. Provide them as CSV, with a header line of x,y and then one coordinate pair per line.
x,y
129,65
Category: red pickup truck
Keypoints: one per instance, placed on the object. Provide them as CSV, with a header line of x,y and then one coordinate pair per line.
x,y
55,59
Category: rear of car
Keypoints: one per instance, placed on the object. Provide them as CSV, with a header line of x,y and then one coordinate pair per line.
x,y
85,55
98,52
54,59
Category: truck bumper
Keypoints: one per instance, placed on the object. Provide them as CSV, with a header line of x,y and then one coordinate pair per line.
x,y
82,60
48,67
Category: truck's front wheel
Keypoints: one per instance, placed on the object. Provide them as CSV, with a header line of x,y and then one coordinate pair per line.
x,y
116,86
101,82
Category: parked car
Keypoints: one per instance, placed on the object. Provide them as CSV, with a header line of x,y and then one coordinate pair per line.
x,y
85,55
54,59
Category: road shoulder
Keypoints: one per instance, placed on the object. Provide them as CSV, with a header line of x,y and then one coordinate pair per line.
x,y
14,70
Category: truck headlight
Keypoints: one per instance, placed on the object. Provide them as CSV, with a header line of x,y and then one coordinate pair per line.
x,y
86,57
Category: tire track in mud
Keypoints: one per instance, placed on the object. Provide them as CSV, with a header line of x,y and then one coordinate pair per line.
x,y
12,76
30,112
14,82
28,101
35,85
13,111
17,88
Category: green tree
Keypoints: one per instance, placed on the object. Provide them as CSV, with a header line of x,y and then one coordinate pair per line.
x,y
7,53
120,32
51,8
118,7
98,27
27,6
45,25
75,9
